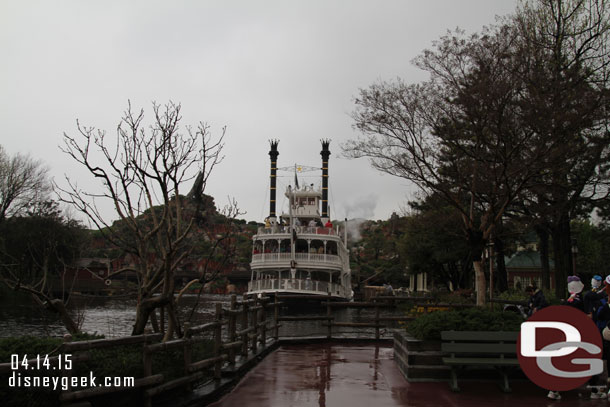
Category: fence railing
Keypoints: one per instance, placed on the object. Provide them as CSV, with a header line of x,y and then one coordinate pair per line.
x,y
299,257
313,230
304,286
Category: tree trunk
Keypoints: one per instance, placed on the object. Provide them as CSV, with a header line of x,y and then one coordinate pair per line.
x,y
58,307
481,284
153,321
142,314
477,245
143,310
562,247
173,325
543,236
500,274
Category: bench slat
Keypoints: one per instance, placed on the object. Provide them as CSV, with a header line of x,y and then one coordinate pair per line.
x,y
480,336
481,361
498,348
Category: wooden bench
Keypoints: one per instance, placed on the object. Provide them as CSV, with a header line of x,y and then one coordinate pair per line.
x,y
480,350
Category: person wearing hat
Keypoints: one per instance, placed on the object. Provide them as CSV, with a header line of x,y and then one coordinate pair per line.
x,y
575,287
596,283
595,299
596,306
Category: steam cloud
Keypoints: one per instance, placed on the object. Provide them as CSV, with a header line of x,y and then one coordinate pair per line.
x,y
358,212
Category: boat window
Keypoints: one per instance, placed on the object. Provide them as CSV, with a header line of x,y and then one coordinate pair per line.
x,y
331,248
317,246
285,246
319,276
301,246
271,246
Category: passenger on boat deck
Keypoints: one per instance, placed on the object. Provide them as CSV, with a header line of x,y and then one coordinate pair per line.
x,y
312,223
297,222
321,250
328,224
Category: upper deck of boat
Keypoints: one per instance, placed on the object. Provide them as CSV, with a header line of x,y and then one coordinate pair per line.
x,y
284,231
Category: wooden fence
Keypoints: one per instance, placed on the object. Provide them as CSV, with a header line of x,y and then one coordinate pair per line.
x,y
239,332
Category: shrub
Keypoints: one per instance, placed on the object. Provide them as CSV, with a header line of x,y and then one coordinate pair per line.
x,y
519,295
429,326
27,345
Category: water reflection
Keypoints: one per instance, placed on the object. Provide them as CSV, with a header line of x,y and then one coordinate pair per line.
x,y
328,374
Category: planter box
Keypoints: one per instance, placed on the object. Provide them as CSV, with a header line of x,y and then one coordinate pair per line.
x,y
419,361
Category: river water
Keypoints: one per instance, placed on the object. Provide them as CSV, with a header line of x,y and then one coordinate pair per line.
x,y
108,316
114,316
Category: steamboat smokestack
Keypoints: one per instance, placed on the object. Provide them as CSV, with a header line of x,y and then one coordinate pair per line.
x,y
325,153
273,153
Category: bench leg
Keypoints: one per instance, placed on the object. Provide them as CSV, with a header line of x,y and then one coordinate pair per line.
x,y
505,386
453,382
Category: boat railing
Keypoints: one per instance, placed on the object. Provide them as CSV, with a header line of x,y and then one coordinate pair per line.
x,y
299,257
306,286
317,230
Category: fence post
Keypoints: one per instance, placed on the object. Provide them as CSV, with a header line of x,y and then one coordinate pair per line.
x,y
254,316
65,372
263,318
376,320
328,320
188,351
244,327
218,341
147,363
232,328
276,316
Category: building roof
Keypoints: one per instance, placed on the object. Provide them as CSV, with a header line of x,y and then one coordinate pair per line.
x,y
526,259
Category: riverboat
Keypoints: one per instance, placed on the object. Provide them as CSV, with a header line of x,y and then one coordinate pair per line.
x,y
300,254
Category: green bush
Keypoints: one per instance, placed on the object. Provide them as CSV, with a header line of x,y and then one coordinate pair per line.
x,y
519,295
429,326
30,346
27,345
455,297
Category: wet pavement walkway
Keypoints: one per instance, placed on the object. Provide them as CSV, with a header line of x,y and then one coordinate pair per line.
x,y
352,375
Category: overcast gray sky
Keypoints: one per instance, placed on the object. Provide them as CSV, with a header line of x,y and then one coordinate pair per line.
x,y
287,70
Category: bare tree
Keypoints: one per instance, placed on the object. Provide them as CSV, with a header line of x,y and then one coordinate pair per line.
x,y
142,173
516,114
34,259
23,181
566,65
457,135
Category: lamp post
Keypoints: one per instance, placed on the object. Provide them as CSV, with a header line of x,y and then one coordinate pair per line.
x,y
490,247
574,254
